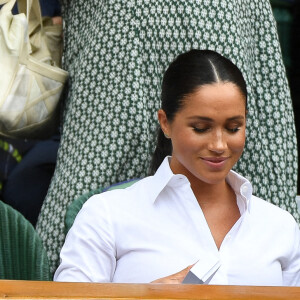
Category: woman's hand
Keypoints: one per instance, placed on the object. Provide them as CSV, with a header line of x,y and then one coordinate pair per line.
x,y
57,20
174,278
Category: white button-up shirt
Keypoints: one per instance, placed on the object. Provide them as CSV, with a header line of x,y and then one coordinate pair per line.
x,y
156,228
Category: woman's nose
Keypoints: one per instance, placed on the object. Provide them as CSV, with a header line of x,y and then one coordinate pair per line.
x,y
217,142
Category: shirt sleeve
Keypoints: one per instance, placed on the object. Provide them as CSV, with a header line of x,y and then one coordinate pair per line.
x,y
291,272
89,254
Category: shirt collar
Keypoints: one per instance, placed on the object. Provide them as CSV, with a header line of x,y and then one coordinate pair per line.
x,y
165,177
242,188
162,178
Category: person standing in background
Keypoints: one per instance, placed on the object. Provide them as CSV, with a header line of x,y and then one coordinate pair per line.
x,y
295,71
49,8
116,53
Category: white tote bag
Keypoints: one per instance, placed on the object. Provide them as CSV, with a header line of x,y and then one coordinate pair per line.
x,y
30,81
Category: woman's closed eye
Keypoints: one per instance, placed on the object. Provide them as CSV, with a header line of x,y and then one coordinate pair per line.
x,y
233,129
205,129
200,129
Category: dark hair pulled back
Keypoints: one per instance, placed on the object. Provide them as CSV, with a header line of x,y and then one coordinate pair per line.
x,y
187,73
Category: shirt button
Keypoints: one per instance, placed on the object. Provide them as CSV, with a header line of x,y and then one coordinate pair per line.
x,y
244,189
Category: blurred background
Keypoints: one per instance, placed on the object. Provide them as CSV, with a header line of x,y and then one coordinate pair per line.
x,y
33,175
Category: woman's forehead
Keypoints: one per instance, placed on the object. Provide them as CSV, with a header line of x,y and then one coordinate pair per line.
x,y
217,96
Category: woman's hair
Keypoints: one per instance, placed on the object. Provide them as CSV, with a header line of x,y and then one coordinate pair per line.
x,y
187,73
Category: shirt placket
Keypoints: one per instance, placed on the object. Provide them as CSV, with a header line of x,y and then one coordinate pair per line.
x,y
209,258
226,251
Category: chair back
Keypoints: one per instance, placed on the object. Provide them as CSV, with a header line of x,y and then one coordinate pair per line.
x,y
22,255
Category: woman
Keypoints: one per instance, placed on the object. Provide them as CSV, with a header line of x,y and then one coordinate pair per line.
x,y
194,213
116,53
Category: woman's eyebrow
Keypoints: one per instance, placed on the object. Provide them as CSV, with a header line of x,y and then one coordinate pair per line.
x,y
236,118
207,119
200,118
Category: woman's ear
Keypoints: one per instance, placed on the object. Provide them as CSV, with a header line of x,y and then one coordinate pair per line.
x,y
163,121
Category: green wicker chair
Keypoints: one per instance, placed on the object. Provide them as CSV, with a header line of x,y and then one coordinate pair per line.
x,y
22,256
76,205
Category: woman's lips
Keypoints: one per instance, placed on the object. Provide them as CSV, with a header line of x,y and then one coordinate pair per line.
x,y
215,162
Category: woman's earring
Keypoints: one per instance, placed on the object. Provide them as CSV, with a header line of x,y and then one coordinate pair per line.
x,y
166,136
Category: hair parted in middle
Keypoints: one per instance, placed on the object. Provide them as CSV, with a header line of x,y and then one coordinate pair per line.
x,y
187,73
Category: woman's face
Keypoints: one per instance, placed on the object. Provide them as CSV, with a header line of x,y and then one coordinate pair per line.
x,y
207,133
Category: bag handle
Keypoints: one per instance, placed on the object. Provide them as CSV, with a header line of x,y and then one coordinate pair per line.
x,y
9,5
3,1
32,10
37,43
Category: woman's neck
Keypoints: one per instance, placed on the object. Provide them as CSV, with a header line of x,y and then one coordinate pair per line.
x,y
219,206
212,194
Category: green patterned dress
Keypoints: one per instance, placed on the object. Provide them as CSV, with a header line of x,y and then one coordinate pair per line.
x,y
116,52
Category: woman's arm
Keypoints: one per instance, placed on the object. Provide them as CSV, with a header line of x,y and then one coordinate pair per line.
x,y
291,272
88,254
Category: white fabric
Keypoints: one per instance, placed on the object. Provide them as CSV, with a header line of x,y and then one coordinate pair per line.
x,y
156,228
31,84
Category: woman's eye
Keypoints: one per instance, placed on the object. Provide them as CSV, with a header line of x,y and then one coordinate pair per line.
x,y
233,130
199,130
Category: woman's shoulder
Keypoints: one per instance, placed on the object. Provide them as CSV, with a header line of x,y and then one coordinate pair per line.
x,y
118,196
270,213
